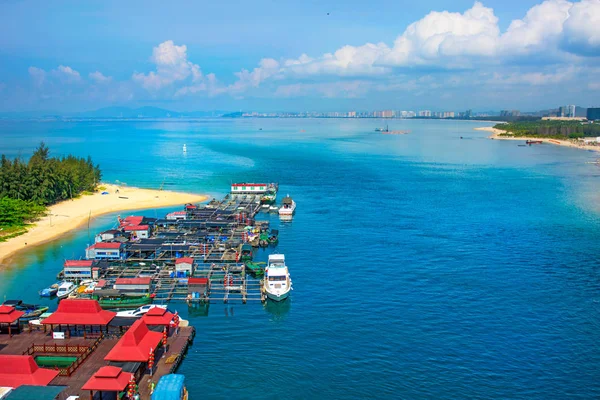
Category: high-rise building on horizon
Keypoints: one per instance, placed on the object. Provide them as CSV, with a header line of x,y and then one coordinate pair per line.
x,y
593,114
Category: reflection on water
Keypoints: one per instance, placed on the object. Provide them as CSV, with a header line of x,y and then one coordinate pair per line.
x,y
198,309
278,309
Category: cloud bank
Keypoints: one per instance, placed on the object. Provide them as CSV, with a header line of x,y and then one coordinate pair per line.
x,y
555,41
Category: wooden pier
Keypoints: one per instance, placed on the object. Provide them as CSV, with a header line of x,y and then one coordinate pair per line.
x,y
166,362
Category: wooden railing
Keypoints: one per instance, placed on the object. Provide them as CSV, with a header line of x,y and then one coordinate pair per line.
x,y
82,351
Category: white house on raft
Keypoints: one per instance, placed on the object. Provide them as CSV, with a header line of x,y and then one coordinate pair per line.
x,y
177,216
139,231
78,270
185,265
105,251
248,188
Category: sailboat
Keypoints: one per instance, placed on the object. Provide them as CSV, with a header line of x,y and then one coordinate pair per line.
x,y
184,149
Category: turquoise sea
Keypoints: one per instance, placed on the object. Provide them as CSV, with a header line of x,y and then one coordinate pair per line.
x,y
424,265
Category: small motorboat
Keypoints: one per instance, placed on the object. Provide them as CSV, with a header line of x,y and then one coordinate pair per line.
x,y
65,289
277,283
50,290
138,312
31,310
273,209
274,236
288,207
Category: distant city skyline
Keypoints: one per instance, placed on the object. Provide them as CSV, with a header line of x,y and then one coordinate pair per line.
x,y
327,55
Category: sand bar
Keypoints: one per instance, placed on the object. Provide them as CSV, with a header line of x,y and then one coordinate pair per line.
x,y
566,143
71,214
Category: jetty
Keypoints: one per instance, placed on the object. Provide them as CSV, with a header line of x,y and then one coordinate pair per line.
x,y
196,255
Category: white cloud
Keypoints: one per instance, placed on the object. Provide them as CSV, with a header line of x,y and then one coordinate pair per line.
x,y
582,28
172,65
66,74
450,40
38,75
99,77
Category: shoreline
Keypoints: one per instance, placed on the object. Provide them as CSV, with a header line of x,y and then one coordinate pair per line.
x,y
564,143
68,215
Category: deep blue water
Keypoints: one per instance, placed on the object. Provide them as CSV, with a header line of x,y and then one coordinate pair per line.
x,y
424,265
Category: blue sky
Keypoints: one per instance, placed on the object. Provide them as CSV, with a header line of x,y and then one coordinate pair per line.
x,y
289,55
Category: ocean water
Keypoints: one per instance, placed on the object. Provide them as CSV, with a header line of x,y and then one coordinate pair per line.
x,y
424,265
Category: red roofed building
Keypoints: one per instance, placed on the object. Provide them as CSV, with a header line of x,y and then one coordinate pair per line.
x,y
177,216
140,231
22,370
158,316
185,265
77,270
135,344
79,312
108,379
104,250
132,220
9,315
133,284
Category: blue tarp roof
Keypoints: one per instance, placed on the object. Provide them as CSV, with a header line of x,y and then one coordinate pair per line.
x,y
27,392
169,387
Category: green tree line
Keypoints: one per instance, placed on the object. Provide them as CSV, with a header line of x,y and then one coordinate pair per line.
x,y
554,129
27,187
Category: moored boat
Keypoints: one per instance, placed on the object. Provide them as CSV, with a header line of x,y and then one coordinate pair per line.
x,y
111,298
170,387
255,268
288,207
65,289
277,283
50,290
138,312
246,252
31,310
263,240
274,236
270,196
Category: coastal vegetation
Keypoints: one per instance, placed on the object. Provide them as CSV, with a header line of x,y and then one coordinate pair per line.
x,y
550,129
28,187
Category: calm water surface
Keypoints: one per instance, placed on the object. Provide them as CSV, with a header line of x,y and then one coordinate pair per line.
x,y
424,266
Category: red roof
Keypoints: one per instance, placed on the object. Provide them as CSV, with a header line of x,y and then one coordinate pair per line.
x,y
132,220
249,184
106,245
133,281
158,316
79,312
79,263
136,228
22,370
8,315
190,207
135,344
101,283
198,281
188,260
108,379
178,213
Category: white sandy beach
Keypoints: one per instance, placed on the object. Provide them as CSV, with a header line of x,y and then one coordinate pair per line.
x,y
68,215
566,143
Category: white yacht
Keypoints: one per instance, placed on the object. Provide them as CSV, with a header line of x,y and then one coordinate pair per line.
x,y
288,207
65,289
277,283
138,312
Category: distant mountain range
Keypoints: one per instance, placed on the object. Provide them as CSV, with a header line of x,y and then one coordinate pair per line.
x,y
116,112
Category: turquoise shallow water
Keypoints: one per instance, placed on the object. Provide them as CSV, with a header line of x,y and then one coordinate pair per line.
x,y
424,266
